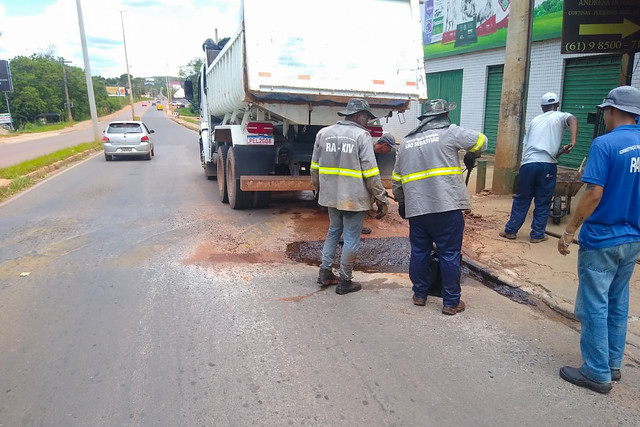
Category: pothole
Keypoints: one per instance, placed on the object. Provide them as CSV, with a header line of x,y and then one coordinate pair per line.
x,y
391,255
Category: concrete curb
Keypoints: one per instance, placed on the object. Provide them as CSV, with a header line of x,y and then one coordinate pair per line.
x,y
562,307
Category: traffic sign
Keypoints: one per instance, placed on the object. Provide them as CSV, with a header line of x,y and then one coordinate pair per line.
x,y
6,84
600,26
5,118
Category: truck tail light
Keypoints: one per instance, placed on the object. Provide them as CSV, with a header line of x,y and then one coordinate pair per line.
x,y
105,139
144,139
375,131
260,128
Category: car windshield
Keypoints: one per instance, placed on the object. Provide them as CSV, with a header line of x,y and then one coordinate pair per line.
x,y
124,128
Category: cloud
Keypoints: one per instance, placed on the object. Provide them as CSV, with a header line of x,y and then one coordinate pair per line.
x,y
161,36
103,43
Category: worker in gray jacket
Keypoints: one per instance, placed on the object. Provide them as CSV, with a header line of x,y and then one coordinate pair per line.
x,y
345,173
427,183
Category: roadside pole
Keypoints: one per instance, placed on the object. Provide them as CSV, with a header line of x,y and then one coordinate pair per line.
x,y
626,69
66,90
87,74
6,98
126,59
514,97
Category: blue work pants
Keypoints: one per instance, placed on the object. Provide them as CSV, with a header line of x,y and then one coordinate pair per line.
x,y
349,225
536,181
445,229
602,306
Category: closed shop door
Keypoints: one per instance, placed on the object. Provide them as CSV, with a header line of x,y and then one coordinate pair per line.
x,y
492,105
586,82
447,85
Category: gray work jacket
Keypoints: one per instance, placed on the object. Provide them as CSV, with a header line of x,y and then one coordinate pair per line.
x,y
427,177
344,168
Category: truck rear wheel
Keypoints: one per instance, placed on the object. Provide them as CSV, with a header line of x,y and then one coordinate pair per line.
x,y
222,170
238,199
261,199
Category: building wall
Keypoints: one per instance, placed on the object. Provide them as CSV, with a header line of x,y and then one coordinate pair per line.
x,y
546,74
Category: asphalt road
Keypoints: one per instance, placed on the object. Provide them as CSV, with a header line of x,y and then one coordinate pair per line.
x,y
14,150
149,303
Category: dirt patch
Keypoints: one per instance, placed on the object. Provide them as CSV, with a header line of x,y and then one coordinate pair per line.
x,y
207,253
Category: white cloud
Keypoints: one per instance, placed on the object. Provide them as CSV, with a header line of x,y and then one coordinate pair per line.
x,y
161,34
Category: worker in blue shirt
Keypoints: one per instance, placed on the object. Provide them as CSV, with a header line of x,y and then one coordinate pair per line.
x,y
609,213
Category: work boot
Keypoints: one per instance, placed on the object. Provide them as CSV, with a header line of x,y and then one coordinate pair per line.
x,y
574,376
507,235
366,230
327,278
419,301
450,311
347,286
616,375
538,240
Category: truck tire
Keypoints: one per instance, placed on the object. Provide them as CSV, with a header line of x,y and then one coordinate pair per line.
x,y
222,169
238,199
556,210
261,199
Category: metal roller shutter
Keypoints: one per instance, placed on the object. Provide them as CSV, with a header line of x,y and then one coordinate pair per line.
x,y
447,85
586,82
492,105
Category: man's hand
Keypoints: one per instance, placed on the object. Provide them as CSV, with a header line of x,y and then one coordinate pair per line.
x,y
470,160
567,149
401,211
563,243
383,208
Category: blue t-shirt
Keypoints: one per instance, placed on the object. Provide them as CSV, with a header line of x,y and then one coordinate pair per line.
x,y
614,163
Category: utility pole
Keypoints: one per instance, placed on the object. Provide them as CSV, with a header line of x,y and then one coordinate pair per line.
x,y
66,90
126,59
87,73
514,97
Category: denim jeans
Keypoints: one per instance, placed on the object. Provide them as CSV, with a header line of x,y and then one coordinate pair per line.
x,y
536,181
445,229
348,224
602,306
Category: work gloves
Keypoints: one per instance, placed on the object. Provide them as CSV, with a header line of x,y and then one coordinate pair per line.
x,y
382,209
401,211
470,160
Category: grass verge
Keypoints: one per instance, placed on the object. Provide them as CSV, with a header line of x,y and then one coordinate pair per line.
x,y
195,122
27,173
32,165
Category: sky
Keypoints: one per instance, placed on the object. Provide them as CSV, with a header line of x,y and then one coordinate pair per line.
x,y
161,35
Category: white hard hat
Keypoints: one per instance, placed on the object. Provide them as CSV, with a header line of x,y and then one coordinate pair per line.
x,y
549,98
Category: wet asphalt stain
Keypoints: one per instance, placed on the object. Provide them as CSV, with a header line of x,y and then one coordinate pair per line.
x,y
375,255
391,255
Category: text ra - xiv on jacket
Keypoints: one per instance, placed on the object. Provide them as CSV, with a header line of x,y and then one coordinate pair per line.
x,y
344,168
427,177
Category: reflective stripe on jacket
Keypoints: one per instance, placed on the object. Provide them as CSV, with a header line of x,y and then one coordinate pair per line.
x,y
344,168
427,177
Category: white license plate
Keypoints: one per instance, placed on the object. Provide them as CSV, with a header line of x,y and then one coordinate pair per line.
x,y
124,150
260,140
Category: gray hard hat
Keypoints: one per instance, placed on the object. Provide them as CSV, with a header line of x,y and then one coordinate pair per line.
x,y
624,98
388,139
356,105
435,107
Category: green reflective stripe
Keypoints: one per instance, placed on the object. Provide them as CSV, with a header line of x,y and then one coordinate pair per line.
x,y
431,172
371,172
342,172
396,177
479,143
314,165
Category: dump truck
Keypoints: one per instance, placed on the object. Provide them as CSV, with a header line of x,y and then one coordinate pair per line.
x,y
266,91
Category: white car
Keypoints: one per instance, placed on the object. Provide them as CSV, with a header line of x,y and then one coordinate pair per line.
x,y
127,138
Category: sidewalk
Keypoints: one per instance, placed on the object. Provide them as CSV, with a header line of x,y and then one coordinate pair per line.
x,y
536,268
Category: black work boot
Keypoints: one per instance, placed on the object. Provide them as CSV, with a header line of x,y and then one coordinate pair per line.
x,y
327,278
347,286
